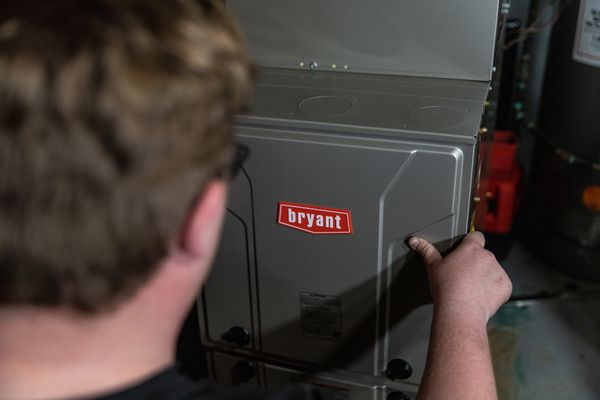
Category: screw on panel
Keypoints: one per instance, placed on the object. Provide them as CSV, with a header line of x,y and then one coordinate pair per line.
x,y
313,65
398,369
237,335
396,395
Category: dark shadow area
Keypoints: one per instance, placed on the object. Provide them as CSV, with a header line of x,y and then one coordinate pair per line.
x,y
408,289
191,359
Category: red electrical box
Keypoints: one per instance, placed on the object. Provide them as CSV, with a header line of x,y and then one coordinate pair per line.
x,y
501,184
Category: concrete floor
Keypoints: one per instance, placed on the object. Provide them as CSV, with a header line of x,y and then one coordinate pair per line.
x,y
546,341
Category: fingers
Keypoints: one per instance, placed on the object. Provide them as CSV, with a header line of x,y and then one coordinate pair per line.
x,y
431,255
426,250
475,237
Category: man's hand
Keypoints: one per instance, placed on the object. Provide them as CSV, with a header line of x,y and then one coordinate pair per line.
x,y
468,287
469,281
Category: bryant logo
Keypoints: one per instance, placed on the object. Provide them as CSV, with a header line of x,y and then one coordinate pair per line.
x,y
314,219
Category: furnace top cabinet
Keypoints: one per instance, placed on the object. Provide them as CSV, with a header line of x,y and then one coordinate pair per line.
x,y
427,38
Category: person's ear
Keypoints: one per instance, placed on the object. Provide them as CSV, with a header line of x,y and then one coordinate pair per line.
x,y
171,292
201,232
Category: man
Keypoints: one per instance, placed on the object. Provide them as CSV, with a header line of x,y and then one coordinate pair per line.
x,y
115,145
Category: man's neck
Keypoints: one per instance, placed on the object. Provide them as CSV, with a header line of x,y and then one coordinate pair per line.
x,y
49,354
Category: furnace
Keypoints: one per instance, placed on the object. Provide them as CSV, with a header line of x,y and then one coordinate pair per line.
x,y
364,130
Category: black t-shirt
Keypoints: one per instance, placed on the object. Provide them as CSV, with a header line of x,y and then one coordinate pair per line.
x,y
169,385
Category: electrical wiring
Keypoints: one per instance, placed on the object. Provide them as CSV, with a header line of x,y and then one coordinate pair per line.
x,y
564,154
539,24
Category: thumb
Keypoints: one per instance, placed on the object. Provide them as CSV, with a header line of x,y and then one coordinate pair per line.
x,y
426,250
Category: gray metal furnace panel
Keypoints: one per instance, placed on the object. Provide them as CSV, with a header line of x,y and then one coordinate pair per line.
x,y
225,369
394,188
408,335
329,388
435,38
428,107
336,385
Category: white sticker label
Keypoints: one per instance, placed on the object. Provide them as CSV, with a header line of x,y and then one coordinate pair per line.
x,y
587,37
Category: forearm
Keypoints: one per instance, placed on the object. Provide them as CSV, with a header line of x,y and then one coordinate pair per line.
x,y
459,364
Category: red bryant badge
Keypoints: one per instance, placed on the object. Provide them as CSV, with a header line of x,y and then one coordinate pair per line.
x,y
315,219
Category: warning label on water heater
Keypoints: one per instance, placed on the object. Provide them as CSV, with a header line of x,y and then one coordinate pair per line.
x,y
587,38
321,315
